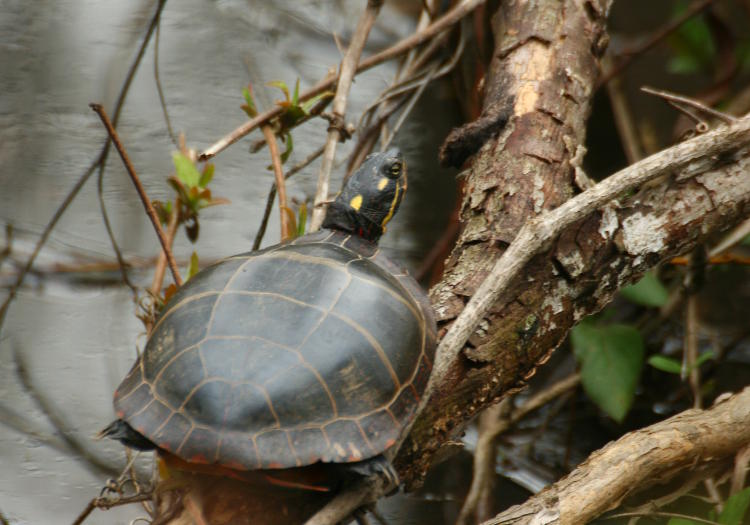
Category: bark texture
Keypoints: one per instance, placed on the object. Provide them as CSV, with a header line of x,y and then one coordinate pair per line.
x,y
635,461
539,87
545,62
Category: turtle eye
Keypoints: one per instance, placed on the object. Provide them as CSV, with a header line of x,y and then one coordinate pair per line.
x,y
394,170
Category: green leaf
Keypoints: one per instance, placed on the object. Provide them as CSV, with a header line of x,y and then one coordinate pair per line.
x,y
193,267
705,356
301,223
295,96
611,359
665,364
649,291
207,175
309,104
186,170
735,508
282,86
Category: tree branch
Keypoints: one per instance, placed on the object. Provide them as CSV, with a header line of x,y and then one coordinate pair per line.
x,y
346,75
441,24
141,192
570,260
636,461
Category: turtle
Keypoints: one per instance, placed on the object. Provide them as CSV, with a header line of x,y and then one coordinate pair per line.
x,y
313,351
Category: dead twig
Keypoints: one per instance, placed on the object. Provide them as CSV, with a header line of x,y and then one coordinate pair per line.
x,y
99,162
484,455
141,192
272,194
346,75
278,171
680,100
444,22
160,90
104,503
354,497
637,460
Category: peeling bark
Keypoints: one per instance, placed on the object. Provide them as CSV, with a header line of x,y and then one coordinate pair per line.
x,y
541,78
527,169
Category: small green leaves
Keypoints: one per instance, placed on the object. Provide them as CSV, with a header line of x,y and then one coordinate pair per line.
x,y
185,170
192,192
649,291
611,358
294,112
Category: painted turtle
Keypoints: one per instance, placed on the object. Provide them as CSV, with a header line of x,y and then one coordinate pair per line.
x,y
314,350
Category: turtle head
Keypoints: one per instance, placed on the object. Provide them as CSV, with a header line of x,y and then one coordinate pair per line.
x,y
370,197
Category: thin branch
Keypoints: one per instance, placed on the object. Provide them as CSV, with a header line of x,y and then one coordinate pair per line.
x,y
278,171
734,237
446,21
346,75
161,262
351,498
121,264
637,460
541,230
623,116
99,162
659,514
272,194
691,102
141,192
160,91
484,455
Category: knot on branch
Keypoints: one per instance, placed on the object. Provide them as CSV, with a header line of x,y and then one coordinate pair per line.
x,y
337,122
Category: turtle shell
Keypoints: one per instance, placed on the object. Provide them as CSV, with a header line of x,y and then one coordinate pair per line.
x,y
317,350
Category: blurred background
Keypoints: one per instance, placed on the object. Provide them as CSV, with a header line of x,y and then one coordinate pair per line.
x,y
72,333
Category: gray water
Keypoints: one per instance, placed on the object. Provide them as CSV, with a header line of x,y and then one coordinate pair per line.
x,y
77,334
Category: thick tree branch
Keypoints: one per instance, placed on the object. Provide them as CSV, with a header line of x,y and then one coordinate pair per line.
x,y
636,461
550,282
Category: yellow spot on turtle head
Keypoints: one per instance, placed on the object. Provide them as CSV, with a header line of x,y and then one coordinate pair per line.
x,y
356,202
382,183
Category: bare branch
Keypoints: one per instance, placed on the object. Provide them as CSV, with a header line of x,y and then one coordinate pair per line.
x,y
636,461
346,75
272,193
418,38
99,162
141,192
